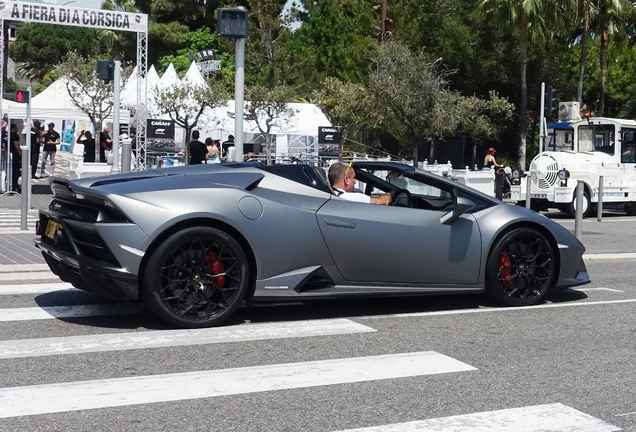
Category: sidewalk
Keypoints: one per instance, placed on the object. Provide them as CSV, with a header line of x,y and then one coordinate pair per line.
x,y
20,260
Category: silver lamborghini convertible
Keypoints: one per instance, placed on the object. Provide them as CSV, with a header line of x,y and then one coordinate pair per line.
x,y
195,243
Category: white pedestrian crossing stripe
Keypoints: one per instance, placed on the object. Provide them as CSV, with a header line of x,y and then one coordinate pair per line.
x,y
76,311
44,288
171,338
545,418
14,220
73,396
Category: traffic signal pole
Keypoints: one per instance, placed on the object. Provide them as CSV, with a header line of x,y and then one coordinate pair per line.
x,y
26,171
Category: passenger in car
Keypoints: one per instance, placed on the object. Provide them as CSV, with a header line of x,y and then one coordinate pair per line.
x,y
343,178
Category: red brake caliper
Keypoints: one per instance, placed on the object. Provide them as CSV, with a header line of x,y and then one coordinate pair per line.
x,y
215,268
504,269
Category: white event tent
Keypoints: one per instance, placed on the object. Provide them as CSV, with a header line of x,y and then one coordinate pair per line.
x,y
296,135
54,105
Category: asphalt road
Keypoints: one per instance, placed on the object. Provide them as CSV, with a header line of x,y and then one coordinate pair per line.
x,y
328,366
576,351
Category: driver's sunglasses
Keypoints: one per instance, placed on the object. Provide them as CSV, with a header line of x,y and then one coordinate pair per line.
x,y
348,168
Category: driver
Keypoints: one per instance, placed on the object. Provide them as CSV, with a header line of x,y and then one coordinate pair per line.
x,y
342,178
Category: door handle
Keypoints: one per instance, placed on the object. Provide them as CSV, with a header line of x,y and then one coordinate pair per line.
x,y
340,223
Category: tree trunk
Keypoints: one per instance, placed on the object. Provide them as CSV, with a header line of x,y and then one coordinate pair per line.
x,y
414,152
431,154
268,149
601,102
583,59
523,100
186,150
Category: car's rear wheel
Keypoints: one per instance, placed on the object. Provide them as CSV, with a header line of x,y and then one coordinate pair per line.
x,y
520,268
196,278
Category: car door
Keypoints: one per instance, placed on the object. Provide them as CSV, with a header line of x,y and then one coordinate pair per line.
x,y
375,243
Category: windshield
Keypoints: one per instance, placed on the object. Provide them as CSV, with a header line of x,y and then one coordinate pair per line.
x,y
600,138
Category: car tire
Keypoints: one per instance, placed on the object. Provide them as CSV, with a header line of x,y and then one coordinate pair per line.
x,y
520,268
196,278
587,205
630,208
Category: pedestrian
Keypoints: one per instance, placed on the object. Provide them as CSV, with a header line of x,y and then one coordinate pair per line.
x,y
198,151
36,142
133,137
227,144
4,154
51,140
16,158
86,138
213,151
105,143
490,161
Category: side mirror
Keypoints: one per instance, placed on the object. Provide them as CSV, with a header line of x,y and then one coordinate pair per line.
x,y
462,205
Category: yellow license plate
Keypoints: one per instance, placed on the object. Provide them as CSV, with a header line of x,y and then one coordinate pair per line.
x,y
51,229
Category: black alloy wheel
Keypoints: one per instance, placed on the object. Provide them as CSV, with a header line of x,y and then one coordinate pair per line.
x,y
520,268
196,278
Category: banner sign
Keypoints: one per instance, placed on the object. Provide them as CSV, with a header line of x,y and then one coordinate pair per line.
x,y
329,140
160,136
329,135
74,16
158,128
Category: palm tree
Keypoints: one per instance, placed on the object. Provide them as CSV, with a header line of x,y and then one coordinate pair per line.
x,y
587,10
609,21
535,20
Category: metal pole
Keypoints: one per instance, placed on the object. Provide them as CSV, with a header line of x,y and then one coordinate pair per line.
x,y
578,214
126,149
528,188
116,84
542,131
599,207
26,176
239,85
499,185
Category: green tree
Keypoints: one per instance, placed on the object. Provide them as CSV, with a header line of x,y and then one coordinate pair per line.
x,y
609,20
266,107
534,20
89,94
345,104
334,41
266,45
478,118
194,42
42,47
185,102
413,92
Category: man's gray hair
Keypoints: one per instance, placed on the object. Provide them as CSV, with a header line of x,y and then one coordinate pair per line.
x,y
336,172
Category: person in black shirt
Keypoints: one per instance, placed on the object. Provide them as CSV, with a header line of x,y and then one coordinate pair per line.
x,y
36,141
51,140
16,157
227,144
87,139
105,143
198,150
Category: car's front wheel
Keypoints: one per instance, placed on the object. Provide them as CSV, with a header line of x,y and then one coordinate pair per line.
x,y
520,268
196,278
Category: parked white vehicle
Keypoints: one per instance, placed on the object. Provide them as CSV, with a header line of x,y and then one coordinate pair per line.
x,y
601,147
